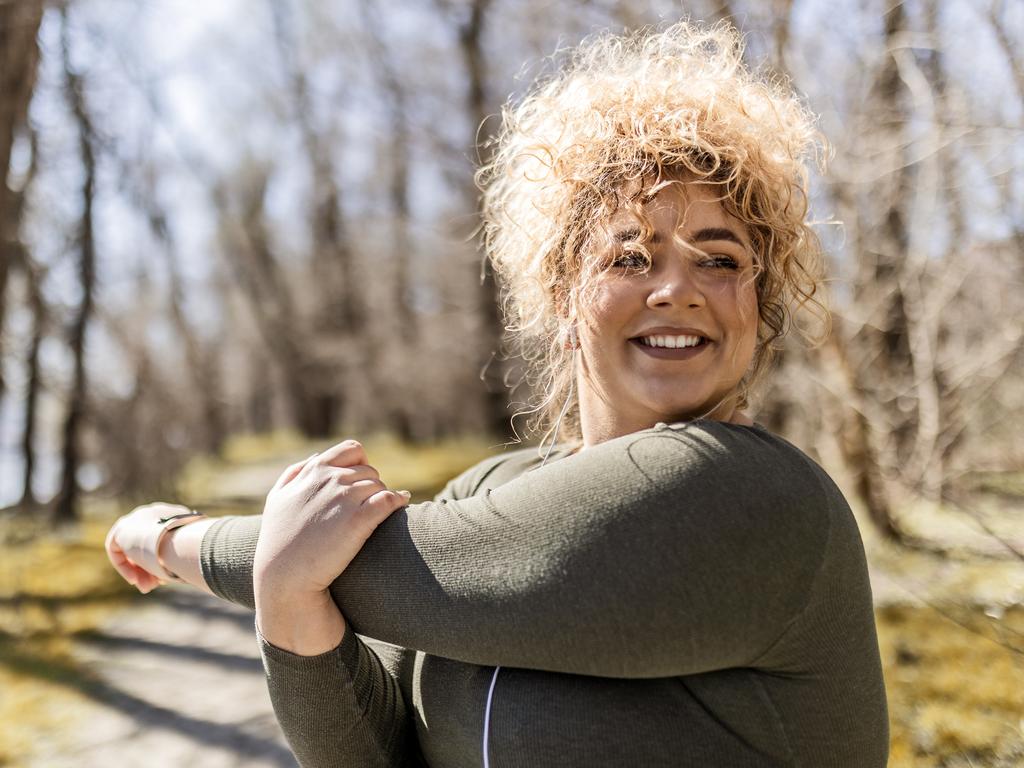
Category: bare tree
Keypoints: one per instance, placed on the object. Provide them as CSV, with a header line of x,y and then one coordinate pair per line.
x,y
310,381
66,504
201,356
469,20
905,394
19,57
340,309
399,330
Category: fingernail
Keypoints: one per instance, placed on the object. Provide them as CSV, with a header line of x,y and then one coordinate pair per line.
x,y
405,493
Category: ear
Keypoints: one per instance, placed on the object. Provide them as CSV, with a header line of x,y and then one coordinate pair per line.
x,y
571,338
565,310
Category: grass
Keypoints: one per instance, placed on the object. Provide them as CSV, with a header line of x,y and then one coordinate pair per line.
x,y
954,669
956,695
52,586
952,637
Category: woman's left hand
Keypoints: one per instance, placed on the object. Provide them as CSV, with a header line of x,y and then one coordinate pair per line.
x,y
317,517
131,544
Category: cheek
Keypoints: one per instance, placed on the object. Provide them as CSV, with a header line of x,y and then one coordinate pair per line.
x,y
749,313
737,310
609,310
744,321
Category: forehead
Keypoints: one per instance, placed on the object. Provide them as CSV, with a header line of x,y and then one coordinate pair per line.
x,y
672,200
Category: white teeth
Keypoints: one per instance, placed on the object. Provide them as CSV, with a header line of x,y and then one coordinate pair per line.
x,y
671,342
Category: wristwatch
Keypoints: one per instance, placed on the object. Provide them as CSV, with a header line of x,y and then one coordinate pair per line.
x,y
168,524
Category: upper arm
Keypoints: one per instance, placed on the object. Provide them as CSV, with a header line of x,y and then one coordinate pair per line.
x,y
665,552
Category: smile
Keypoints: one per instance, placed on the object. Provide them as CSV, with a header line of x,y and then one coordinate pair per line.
x,y
672,342
682,352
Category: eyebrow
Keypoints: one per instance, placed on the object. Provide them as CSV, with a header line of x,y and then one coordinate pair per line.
x,y
705,235
715,233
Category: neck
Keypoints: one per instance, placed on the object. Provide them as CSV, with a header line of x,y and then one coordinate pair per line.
x,y
599,421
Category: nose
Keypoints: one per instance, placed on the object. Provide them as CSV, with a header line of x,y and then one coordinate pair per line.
x,y
675,286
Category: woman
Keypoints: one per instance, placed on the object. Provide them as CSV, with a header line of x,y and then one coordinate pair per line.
x,y
673,584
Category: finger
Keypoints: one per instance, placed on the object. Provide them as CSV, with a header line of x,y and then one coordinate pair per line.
x,y
112,534
361,490
125,568
143,580
383,503
347,453
349,475
290,472
117,557
147,582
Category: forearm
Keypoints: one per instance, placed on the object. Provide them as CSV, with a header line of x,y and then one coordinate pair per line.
x,y
341,707
306,625
334,700
180,551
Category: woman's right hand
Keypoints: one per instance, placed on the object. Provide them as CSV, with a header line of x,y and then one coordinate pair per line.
x,y
131,541
317,517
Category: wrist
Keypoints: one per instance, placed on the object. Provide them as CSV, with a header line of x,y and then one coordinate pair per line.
x,y
307,625
166,527
179,548
281,593
278,578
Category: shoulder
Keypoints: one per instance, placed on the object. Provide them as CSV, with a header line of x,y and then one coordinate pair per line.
x,y
710,475
714,453
490,473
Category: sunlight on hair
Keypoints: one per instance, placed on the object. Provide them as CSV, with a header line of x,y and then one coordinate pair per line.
x,y
624,114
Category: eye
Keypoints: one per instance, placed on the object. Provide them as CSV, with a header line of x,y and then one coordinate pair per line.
x,y
720,261
632,260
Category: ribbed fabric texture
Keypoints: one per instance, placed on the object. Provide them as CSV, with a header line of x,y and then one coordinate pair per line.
x,y
688,595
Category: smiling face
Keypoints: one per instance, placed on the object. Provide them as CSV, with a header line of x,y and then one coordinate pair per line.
x,y
670,337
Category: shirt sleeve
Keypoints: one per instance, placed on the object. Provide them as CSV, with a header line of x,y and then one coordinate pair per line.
x,y
341,707
669,551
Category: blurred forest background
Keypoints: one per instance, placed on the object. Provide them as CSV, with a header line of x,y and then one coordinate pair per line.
x,y
229,219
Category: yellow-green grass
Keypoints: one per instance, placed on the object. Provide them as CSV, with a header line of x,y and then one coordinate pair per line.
x,y
956,695
53,585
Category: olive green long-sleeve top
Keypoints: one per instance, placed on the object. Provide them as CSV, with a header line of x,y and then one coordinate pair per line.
x,y
687,595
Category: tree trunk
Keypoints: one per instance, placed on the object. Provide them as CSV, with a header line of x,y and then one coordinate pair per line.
x,y
19,58
312,402
340,310
492,336
66,508
400,329
202,362
856,443
28,499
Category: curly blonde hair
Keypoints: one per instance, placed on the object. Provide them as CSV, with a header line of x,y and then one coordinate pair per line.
x,y
644,107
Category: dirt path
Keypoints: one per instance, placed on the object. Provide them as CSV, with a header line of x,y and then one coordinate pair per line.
x,y
181,685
